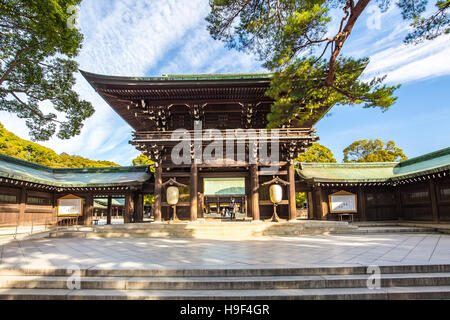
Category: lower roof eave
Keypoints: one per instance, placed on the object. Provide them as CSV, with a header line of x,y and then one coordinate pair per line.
x,y
45,183
416,174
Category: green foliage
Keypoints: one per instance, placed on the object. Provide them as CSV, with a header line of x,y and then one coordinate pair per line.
x,y
143,160
300,94
36,66
427,28
300,198
316,153
149,199
373,151
291,38
13,146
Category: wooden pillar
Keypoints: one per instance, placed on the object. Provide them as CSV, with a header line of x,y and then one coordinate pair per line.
x,y
158,187
127,209
138,207
433,198
248,209
200,198
109,210
22,206
321,206
89,210
291,193
398,203
54,217
362,204
201,205
194,190
244,206
254,192
310,205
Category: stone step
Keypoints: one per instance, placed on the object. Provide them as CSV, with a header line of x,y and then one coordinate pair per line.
x,y
386,229
232,271
392,223
225,283
221,229
244,231
429,292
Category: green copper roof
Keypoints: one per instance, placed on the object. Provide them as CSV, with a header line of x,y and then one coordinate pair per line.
x,y
222,186
347,172
18,169
426,164
186,77
103,202
430,163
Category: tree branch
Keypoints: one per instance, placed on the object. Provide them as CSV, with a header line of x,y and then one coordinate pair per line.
x,y
11,66
40,115
279,12
341,37
350,95
229,21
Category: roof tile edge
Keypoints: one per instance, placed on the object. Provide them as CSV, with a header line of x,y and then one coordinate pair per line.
x,y
424,157
71,170
348,164
185,77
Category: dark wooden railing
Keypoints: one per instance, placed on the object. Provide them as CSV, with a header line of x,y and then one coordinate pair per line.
x,y
228,134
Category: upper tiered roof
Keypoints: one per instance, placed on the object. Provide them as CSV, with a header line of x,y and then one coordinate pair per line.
x,y
130,96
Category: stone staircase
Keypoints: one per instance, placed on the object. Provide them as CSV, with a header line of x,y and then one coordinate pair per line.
x,y
211,230
397,282
208,229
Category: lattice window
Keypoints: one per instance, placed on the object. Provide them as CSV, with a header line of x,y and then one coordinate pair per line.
x,y
370,199
415,196
8,198
445,193
39,201
386,198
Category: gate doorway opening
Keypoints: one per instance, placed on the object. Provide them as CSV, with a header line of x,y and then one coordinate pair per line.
x,y
302,205
108,210
225,198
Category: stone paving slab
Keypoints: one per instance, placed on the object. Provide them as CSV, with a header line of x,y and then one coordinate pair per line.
x,y
328,293
252,252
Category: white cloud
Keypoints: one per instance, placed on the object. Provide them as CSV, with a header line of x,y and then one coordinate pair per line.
x,y
404,63
199,53
389,55
131,37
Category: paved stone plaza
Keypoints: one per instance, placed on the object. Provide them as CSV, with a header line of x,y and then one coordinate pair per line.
x,y
261,252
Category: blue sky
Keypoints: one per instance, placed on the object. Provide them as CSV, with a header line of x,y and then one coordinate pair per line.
x,y
152,37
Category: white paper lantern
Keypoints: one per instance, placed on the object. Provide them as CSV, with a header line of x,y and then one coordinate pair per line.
x,y
276,193
173,194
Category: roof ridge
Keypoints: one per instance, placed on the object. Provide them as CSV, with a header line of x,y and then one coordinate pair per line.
x,y
62,170
424,157
201,76
100,169
348,164
25,162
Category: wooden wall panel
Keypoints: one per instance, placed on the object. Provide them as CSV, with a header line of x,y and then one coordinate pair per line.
x,y
381,213
416,202
9,212
443,199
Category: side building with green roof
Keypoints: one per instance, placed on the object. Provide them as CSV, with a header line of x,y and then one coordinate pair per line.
x,y
417,189
29,192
